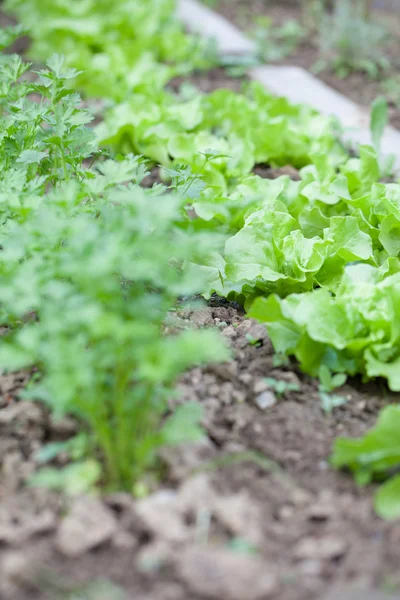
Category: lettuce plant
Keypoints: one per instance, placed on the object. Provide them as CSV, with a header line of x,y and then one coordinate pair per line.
x,y
356,331
137,46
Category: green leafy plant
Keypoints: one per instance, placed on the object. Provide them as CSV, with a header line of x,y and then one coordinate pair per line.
x,y
140,46
281,387
329,382
376,456
106,361
345,333
275,43
313,13
350,40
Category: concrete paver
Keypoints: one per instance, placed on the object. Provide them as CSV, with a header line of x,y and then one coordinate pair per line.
x,y
201,19
296,84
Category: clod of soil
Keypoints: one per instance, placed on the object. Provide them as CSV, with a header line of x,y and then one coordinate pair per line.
x,y
253,512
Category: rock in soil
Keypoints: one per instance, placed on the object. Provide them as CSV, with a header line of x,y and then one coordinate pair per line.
x,y
160,516
218,574
265,400
328,548
88,524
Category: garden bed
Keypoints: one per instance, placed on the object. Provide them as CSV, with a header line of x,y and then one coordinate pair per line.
x,y
357,85
254,511
256,497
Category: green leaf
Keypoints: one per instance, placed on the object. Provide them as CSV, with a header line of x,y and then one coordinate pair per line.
x,y
184,425
73,480
331,401
387,499
29,157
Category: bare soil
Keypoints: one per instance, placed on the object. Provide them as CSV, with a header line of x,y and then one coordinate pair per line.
x,y
256,497
357,86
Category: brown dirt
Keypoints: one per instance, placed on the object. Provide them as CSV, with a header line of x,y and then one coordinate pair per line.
x,y
260,480
209,81
357,86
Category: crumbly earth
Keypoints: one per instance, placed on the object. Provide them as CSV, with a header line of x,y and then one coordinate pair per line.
x,y
251,513
358,86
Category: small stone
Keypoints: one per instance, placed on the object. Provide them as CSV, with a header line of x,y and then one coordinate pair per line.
x,y
240,515
216,574
326,548
227,370
300,497
238,396
202,317
160,515
17,569
124,540
266,400
286,512
246,378
196,494
153,557
257,331
260,386
311,568
88,525
229,332
24,412
323,509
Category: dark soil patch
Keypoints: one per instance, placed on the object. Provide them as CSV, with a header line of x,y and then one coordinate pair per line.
x,y
209,81
357,86
268,172
256,497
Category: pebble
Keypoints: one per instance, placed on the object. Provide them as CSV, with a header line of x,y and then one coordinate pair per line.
x,y
216,574
229,332
260,386
311,567
160,515
88,524
202,317
325,548
265,400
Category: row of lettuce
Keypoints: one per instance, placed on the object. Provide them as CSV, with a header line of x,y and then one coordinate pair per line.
x,y
317,259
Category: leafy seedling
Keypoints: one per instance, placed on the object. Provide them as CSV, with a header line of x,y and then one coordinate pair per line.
x,y
253,341
328,383
280,360
281,387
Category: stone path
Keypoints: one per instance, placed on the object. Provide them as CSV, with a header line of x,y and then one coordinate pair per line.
x,y
295,83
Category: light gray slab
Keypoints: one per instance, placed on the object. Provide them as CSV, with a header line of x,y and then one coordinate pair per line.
x,y
295,83
300,86
201,19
